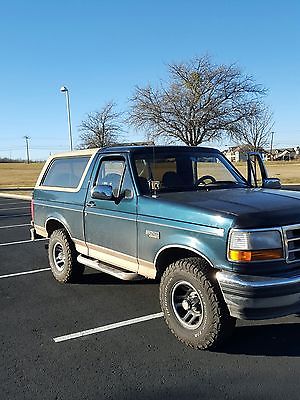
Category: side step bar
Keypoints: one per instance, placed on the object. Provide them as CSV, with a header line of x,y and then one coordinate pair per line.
x,y
108,269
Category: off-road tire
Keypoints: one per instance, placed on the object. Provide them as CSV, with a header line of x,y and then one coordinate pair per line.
x,y
71,270
216,324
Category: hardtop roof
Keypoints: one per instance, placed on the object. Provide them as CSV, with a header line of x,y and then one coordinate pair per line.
x,y
74,153
133,150
156,149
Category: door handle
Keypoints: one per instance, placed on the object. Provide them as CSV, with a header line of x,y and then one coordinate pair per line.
x,y
91,204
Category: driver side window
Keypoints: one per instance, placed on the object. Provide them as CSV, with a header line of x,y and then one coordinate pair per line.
x,y
111,173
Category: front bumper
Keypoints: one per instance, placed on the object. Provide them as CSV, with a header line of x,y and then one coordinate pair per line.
x,y
259,297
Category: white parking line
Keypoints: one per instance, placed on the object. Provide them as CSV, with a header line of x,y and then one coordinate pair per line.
x,y
107,327
13,208
22,242
13,226
14,216
34,271
13,204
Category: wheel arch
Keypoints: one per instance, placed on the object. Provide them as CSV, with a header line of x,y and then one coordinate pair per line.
x,y
54,223
171,253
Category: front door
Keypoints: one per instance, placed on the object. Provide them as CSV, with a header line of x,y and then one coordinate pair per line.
x,y
110,225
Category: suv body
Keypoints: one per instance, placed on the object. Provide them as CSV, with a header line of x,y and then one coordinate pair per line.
x,y
222,248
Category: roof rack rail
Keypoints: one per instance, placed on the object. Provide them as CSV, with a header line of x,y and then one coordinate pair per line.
x,y
149,143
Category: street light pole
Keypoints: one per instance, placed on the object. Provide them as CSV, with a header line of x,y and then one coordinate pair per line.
x,y
65,90
27,147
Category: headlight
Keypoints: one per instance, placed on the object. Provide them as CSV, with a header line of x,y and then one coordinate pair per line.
x,y
245,246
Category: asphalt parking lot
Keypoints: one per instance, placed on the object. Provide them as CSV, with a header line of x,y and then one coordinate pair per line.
x,y
137,361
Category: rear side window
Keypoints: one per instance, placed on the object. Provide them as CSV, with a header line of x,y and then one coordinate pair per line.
x,y
65,172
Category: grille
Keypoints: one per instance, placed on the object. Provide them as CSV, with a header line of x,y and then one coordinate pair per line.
x,y
292,242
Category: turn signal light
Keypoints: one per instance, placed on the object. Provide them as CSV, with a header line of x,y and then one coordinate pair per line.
x,y
255,255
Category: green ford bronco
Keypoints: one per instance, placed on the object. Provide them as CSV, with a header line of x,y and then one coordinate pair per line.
x,y
221,245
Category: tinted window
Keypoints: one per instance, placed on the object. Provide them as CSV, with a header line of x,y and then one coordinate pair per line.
x,y
213,166
65,172
184,171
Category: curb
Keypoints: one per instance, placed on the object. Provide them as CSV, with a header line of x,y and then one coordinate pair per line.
x,y
15,196
14,188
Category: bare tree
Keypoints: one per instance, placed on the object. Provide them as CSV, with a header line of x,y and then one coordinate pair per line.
x,y
101,128
199,103
255,130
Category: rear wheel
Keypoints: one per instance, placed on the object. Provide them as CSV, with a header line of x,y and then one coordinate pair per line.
x,y
193,305
63,257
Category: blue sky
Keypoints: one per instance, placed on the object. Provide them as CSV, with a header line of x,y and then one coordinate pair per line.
x,y
101,49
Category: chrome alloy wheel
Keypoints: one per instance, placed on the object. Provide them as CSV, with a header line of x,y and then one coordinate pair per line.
x,y
59,256
187,305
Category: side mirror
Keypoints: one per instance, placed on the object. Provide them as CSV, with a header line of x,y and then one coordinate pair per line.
x,y
271,183
102,192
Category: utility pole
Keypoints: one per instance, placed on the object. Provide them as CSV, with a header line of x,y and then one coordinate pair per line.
x,y
27,147
272,137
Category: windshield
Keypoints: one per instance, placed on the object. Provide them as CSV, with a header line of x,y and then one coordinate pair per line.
x,y
184,171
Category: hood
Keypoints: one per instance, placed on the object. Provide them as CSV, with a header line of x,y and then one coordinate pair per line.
x,y
244,207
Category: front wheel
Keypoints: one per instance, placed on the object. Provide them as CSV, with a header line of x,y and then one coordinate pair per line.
x,y
193,305
62,257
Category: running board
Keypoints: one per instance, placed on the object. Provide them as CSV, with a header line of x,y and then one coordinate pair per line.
x,y
108,269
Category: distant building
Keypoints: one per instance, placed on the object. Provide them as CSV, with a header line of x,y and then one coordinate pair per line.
x,y
239,153
284,154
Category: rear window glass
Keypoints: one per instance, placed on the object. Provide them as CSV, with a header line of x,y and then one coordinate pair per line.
x,y
65,172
